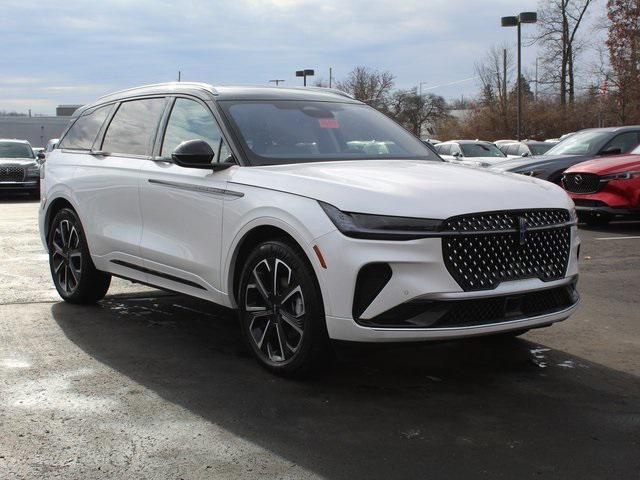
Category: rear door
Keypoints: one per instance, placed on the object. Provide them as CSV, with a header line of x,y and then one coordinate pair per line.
x,y
107,184
182,207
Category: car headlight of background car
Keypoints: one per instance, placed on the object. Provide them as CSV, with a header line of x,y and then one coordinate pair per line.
x,y
380,227
620,176
33,170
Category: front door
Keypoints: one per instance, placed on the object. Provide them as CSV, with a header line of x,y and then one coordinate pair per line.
x,y
182,207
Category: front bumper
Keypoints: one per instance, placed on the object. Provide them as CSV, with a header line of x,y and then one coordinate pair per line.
x,y
27,185
418,274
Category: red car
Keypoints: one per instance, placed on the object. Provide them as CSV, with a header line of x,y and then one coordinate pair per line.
x,y
605,188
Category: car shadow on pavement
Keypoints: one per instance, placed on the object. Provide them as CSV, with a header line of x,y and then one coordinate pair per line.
x,y
476,408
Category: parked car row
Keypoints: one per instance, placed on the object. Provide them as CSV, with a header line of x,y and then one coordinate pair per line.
x,y
598,167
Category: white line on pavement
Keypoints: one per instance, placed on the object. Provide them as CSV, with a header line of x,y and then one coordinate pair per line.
x,y
618,238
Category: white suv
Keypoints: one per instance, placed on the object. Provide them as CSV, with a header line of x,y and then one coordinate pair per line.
x,y
312,214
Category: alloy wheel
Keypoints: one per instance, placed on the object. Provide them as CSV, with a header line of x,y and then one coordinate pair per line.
x,y
275,309
66,256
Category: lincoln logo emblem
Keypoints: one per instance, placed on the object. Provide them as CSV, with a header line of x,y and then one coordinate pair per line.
x,y
522,230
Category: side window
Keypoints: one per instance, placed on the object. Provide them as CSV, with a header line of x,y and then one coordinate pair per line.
x,y
523,149
190,120
83,132
133,126
455,149
225,152
625,142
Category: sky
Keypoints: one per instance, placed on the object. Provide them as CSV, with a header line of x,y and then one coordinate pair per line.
x,y
68,52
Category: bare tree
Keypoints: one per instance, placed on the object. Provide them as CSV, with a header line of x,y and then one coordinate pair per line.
x,y
493,72
414,111
559,22
368,85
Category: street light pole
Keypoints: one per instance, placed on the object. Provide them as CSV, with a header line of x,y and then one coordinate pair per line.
x,y
277,81
307,72
524,17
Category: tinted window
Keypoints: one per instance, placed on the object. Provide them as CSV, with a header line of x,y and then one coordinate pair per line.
x,y
84,131
625,142
278,132
133,127
481,150
190,120
15,150
540,148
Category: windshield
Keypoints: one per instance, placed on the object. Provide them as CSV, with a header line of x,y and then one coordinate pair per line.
x,y
540,148
480,150
15,150
582,143
281,132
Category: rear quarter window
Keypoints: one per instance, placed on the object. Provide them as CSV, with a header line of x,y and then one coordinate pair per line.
x,y
84,131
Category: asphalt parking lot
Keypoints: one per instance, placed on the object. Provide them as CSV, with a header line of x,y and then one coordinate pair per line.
x,y
153,385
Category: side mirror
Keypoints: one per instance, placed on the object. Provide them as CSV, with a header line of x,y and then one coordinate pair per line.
x,y
611,151
40,156
457,154
193,154
525,154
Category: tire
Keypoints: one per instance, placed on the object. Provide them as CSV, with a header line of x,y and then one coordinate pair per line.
x,y
281,310
72,270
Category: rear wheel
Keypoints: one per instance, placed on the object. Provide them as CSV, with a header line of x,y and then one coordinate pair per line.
x,y
281,310
73,272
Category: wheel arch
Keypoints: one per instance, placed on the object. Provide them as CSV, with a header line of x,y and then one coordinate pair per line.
x,y
54,207
251,237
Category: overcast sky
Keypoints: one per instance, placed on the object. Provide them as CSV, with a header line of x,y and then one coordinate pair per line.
x,y
72,51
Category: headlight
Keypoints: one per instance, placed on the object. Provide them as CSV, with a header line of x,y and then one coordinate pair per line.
x,y
380,227
620,176
33,170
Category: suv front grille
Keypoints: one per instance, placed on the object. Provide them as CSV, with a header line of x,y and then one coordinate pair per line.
x,y
11,173
489,248
581,182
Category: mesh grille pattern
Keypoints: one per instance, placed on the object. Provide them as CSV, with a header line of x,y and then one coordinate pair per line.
x,y
581,182
11,173
480,261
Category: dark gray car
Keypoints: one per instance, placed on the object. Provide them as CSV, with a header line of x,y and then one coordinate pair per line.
x,y
585,145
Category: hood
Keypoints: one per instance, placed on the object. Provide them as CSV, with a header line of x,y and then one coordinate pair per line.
x,y
410,188
25,162
606,165
539,161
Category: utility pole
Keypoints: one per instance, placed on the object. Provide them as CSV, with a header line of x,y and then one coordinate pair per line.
x,y
504,78
330,77
420,88
536,92
179,75
277,81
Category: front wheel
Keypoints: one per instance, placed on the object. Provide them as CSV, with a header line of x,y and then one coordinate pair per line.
x,y
281,310
73,272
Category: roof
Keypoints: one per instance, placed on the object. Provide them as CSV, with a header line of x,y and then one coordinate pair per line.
x,y
611,129
228,92
13,140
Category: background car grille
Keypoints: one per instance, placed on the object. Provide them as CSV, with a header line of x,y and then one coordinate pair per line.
x,y
491,248
11,173
581,182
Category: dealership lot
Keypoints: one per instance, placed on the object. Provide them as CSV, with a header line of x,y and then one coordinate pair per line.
x,y
153,385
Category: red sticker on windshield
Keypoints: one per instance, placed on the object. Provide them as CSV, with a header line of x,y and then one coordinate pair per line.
x,y
328,123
